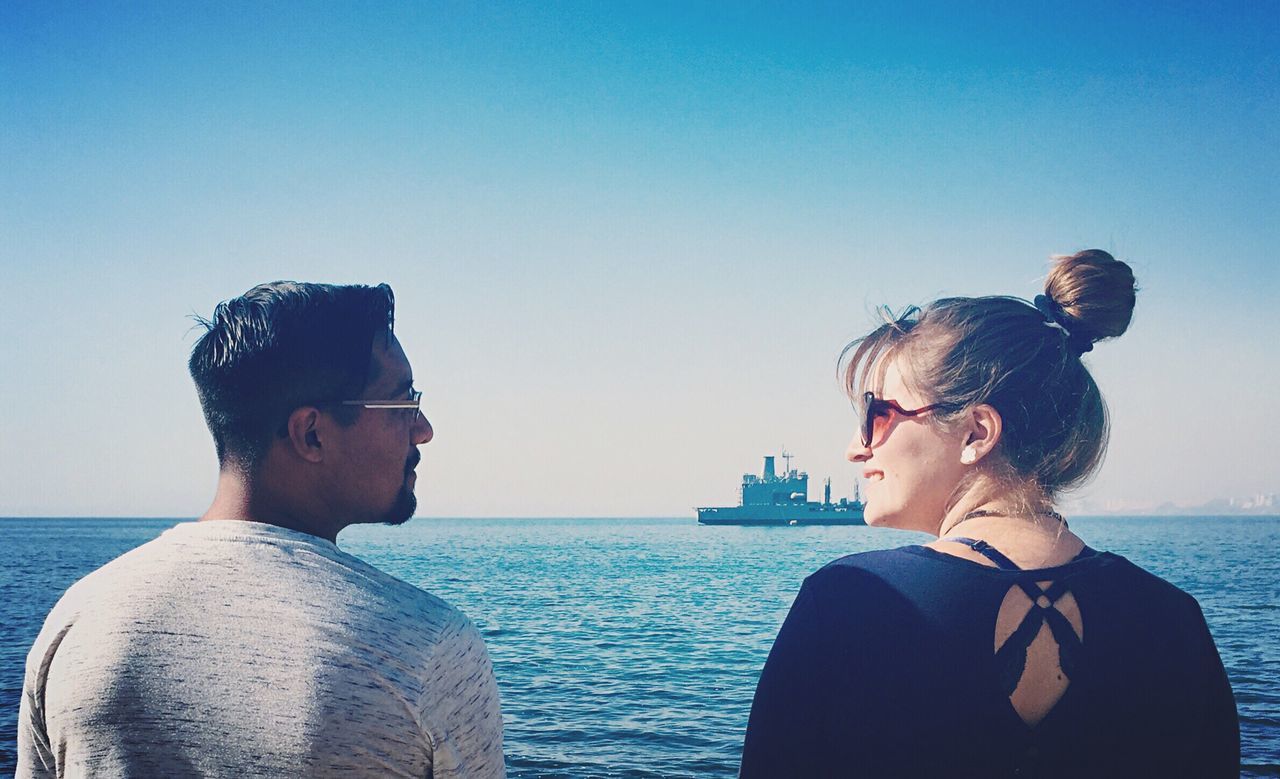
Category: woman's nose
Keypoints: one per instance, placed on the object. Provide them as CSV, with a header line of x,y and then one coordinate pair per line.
x,y
857,451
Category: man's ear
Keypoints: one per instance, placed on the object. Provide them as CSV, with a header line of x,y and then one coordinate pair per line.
x,y
304,433
982,433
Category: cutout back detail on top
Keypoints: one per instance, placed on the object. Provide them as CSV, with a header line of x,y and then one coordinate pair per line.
x,y
1043,612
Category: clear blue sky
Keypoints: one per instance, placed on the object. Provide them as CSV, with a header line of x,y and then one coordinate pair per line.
x,y
627,244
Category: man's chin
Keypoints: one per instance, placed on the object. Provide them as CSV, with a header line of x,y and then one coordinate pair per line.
x,y
406,504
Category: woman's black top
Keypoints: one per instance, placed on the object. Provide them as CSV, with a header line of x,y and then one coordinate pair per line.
x,y
887,666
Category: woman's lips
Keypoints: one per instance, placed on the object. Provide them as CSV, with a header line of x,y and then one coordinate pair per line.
x,y
871,475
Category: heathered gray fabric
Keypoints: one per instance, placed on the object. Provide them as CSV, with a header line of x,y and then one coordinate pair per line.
x,y
240,649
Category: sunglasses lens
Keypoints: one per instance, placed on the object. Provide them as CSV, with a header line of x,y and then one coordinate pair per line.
x,y
875,419
873,429
870,410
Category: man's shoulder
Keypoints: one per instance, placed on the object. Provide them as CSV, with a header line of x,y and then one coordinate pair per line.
x,y
397,594
104,581
247,562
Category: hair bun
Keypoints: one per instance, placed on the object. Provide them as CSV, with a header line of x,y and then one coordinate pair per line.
x,y
1095,291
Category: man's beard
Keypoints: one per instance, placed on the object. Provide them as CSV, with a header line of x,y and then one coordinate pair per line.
x,y
406,503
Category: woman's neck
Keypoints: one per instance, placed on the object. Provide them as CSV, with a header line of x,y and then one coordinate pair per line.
x,y
1023,526
988,498
1030,542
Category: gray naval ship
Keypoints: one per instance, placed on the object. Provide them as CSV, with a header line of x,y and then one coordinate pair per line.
x,y
770,499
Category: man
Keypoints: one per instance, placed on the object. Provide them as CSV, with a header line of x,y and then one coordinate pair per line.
x,y
247,644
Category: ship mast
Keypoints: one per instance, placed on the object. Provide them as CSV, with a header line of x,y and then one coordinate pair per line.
x,y
787,457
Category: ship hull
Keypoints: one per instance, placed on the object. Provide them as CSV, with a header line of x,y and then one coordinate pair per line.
x,y
782,515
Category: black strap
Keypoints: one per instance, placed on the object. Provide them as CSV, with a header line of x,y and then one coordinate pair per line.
x,y
1011,657
986,550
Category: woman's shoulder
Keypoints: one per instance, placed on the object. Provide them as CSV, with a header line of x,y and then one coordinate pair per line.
x,y
1129,582
874,561
881,562
878,570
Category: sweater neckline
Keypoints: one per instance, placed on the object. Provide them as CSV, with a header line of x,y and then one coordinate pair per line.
x,y
245,530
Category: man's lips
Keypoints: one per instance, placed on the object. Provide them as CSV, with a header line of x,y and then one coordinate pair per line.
x,y
871,475
413,461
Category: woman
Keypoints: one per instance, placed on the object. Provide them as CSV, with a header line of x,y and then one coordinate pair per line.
x,y
1006,647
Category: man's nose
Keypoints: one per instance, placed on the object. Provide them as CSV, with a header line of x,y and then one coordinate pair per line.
x,y
422,430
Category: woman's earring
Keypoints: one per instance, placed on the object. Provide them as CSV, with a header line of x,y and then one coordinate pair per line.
x,y
969,456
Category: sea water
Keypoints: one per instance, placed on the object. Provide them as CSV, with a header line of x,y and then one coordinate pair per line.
x,y
631,647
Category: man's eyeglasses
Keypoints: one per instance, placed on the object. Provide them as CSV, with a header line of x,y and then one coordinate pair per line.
x,y
877,413
414,401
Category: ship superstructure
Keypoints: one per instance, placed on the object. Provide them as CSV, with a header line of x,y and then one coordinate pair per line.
x,y
783,499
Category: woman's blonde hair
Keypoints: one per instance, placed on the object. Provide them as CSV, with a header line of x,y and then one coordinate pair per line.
x,y
1021,359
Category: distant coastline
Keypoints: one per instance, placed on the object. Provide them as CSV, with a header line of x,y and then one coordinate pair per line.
x,y
1267,504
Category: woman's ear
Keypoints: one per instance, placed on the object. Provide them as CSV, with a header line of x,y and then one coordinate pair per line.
x,y
304,434
981,433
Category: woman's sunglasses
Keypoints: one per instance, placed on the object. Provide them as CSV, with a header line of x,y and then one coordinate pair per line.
x,y
877,413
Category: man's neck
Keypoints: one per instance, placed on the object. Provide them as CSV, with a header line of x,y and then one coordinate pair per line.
x,y
238,499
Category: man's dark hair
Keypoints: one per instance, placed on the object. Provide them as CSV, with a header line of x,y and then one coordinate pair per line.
x,y
280,346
